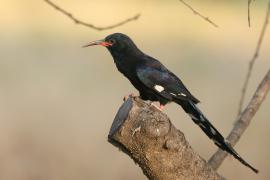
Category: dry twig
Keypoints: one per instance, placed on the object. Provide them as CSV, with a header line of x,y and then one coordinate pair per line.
x,y
199,14
77,21
244,120
249,3
252,61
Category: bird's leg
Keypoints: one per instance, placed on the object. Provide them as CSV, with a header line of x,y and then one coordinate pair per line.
x,y
131,95
159,107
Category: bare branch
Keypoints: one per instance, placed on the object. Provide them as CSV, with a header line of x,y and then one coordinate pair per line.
x,y
252,61
77,21
249,3
244,120
199,14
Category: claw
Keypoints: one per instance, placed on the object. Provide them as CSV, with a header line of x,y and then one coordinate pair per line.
x,y
159,107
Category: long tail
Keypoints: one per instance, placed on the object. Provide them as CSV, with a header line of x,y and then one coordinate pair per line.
x,y
198,117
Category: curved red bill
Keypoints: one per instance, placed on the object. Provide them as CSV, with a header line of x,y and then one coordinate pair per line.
x,y
99,42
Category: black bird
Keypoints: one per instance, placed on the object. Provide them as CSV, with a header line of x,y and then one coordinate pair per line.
x,y
156,83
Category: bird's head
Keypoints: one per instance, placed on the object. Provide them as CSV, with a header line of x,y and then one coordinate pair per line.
x,y
117,42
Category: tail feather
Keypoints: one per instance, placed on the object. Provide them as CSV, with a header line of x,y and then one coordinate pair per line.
x,y
198,117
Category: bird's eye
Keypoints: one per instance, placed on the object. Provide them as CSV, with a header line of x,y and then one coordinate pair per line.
x,y
112,41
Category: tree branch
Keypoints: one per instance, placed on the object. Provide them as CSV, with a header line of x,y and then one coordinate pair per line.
x,y
249,3
77,21
207,19
148,137
253,59
244,120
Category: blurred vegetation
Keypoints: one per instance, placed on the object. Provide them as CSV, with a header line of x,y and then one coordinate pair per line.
x,y
57,100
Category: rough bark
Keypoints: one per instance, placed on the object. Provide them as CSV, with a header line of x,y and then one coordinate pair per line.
x,y
152,141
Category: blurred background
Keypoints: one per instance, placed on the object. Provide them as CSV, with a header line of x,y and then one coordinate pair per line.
x,y
58,100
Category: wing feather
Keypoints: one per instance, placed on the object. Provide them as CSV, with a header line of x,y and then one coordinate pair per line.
x,y
164,82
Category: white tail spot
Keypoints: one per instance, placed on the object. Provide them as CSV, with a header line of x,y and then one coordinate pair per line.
x,y
193,117
202,125
216,142
202,118
213,131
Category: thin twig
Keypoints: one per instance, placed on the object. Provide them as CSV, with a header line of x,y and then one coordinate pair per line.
x,y
249,2
244,120
199,14
252,61
77,21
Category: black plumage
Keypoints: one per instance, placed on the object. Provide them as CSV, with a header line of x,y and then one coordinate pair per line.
x,y
156,83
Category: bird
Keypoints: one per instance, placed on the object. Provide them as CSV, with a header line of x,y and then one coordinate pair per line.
x,y
157,83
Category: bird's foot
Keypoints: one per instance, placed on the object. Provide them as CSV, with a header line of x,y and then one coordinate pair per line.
x,y
159,107
128,96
